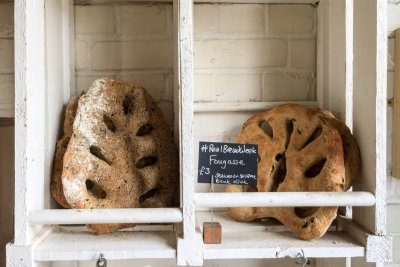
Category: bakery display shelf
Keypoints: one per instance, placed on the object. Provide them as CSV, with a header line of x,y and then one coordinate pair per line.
x,y
284,199
269,239
100,2
45,80
82,216
244,106
67,243
230,225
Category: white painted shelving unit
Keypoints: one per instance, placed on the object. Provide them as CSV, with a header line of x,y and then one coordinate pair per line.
x,y
351,81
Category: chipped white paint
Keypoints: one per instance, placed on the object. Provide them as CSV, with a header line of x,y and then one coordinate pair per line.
x,y
64,245
284,199
275,245
378,248
370,55
244,106
100,2
29,114
32,114
87,216
349,63
190,247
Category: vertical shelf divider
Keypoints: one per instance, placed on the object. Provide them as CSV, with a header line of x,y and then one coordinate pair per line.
x,y
190,248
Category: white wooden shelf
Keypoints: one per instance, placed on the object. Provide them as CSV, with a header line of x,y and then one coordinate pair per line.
x,y
268,239
87,216
243,106
284,199
350,76
67,245
101,2
284,244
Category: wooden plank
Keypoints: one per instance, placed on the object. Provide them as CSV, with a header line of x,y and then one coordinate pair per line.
x,y
336,59
57,73
378,248
190,246
349,10
230,225
65,245
30,114
68,39
312,2
322,45
246,245
396,110
284,199
186,115
369,126
349,22
244,106
87,216
102,2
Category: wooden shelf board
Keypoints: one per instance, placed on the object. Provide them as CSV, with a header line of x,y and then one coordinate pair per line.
x,y
73,245
268,239
102,2
230,225
201,107
281,244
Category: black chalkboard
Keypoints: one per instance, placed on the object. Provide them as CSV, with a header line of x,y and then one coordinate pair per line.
x,y
228,163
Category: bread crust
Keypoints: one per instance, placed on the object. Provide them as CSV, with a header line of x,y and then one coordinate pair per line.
x,y
120,154
56,187
300,150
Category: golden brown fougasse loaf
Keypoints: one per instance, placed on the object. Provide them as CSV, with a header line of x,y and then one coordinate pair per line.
x,y
121,153
300,149
56,187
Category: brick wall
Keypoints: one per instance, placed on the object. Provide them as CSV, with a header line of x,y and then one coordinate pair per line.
x,y
6,59
130,42
254,52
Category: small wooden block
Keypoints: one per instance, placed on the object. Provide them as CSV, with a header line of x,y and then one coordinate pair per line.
x,y
212,233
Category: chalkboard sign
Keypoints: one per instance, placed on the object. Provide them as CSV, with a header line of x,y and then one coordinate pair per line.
x,y
228,163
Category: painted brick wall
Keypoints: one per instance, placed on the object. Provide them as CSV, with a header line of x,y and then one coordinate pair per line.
x,y
254,52
6,59
130,42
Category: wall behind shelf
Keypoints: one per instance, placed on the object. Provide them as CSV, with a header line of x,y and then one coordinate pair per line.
x,y
254,52
250,53
131,42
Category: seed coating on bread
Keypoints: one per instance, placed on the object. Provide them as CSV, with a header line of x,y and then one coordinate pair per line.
x,y
56,187
121,152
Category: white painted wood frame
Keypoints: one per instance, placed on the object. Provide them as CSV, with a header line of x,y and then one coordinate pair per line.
x,y
369,116
351,82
